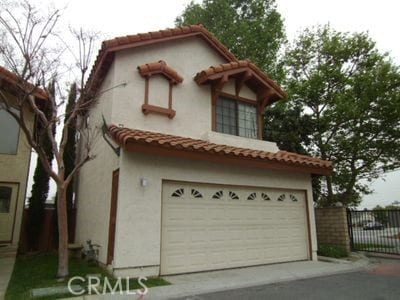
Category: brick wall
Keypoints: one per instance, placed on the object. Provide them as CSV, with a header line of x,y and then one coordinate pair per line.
x,y
331,224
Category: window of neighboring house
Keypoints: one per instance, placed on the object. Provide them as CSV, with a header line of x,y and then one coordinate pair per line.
x,y
5,199
236,117
9,133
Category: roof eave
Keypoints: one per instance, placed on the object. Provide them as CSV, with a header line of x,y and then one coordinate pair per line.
x,y
109,48
10,82
223,159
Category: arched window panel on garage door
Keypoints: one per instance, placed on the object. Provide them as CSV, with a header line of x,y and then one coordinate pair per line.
x,y
282,197
218,195
233,196
265,197
178,193
196,194
252,196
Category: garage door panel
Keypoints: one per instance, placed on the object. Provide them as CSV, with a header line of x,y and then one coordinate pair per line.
x,y
218,259
217,213
218,235
197,237
175,238
197,258
206,227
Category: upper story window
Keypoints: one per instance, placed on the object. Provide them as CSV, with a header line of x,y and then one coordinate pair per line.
x,y
232,113
9,133
236,118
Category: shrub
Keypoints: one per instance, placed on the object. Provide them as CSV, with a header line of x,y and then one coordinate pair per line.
x,y
332,251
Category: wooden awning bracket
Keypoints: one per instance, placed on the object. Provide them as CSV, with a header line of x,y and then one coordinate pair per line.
x,y
217,87
241,80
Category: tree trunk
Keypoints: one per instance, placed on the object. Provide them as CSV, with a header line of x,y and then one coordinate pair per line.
x,y
329,196
62,233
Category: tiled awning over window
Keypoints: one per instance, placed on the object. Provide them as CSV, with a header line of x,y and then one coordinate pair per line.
x,y
244,72
184,147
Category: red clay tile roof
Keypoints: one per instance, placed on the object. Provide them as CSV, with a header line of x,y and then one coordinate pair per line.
x,y
243,65
160,67
126,137
109,47
10,80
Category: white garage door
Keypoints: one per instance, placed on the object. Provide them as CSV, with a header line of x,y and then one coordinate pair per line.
x,y
210,227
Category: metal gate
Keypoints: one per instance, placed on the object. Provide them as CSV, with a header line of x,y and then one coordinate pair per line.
x,y
375,230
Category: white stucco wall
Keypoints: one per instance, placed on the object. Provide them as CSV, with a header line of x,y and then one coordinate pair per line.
x,y
191,102
137,242
95,178
137,248
238,141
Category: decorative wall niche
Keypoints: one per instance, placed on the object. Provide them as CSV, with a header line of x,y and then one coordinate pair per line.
x,y
159,68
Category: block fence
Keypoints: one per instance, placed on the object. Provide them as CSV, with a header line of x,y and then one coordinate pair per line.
x,y
47,240
332,227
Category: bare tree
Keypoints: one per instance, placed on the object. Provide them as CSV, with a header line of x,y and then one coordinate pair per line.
x,y
33,49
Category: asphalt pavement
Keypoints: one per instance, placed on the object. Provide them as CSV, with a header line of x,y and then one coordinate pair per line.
x,y
380,282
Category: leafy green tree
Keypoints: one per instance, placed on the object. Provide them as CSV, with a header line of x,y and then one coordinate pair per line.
x,y
251,29
40,187
288,127
396,203
381,214
387,207
349,96
70,147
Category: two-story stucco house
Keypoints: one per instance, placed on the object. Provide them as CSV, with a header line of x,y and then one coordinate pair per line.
x,y
193,186
15,154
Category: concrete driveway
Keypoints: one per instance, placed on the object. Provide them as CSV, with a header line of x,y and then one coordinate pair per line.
x,y
380,282
187,285
233,282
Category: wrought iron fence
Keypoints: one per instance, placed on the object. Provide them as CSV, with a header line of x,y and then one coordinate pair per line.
x,y
375,230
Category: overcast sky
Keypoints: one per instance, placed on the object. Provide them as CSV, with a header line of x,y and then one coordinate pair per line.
x,y
380,18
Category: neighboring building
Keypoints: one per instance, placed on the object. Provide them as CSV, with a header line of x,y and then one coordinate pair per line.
x,y
393,218
193,186
15,154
